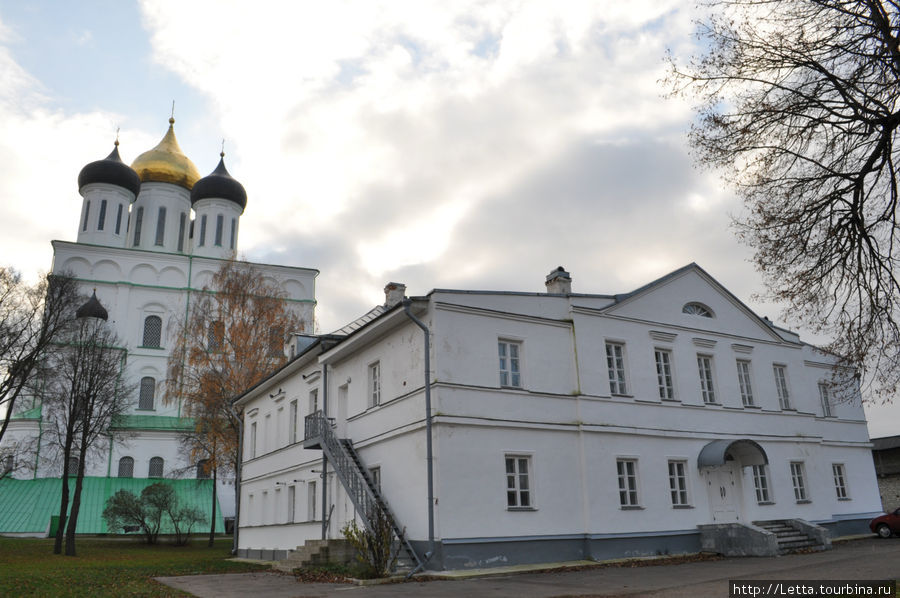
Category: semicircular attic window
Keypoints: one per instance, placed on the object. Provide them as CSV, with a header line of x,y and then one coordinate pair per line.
x,y
697,309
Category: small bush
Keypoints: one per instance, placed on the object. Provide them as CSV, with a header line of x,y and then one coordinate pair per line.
x,y
376,550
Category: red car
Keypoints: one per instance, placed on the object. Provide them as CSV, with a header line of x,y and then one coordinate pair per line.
x,y
886,525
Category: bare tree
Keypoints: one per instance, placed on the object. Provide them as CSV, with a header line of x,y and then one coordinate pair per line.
x,y
84,389
234,336
798,107
31,318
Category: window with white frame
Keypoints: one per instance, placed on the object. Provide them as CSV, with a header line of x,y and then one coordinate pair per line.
x,y
743,372
311,500
798,479
664,374
138,223
509,353
293,422
784,396
615,364
313,400
761,484
375,384
678,488
147,393
291,503
253,440
840,480
707,386
518,482
697,309
825,399
626,469
72,467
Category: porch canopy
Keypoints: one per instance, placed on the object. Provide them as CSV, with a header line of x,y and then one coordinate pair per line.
x,y
744,451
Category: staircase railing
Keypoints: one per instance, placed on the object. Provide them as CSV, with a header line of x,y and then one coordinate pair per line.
x,y
348,467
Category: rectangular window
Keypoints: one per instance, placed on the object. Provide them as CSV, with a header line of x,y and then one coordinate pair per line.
x,y
138,222
291,503
267,434
161,226
253,440
509,353
182,219
626,469
233,231
664,374
293,422
219,225
798,479
101,220
87,214
784,397
313,400
707,388
375,384
825,399
202,230
840,480
311,501
678,483
119,219
615,364
743,371
761,484
518,487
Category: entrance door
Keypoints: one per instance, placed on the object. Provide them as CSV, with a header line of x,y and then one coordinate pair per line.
x,y
342,412
723,484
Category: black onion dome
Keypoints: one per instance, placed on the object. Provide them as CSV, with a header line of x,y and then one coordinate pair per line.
x,y
110,170
220,185
92,309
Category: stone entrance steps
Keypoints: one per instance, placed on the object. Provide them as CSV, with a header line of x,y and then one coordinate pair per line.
x,y
317,552
791,538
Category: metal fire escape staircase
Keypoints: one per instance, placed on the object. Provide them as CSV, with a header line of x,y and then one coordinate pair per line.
x,y
367,499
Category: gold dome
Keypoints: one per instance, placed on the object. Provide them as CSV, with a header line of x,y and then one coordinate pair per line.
x,y
166,163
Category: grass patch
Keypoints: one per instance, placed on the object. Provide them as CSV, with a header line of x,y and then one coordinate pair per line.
x,y
108,566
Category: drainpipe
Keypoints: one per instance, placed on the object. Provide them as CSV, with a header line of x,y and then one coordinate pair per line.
x,y
237,479
428,450
324,459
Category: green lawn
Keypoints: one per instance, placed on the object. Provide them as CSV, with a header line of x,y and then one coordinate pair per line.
x,y
107,566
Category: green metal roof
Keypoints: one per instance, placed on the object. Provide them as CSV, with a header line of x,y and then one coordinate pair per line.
x,y
34,413
152,422
27,505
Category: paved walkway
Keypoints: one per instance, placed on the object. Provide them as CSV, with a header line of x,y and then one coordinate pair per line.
x,y
862,559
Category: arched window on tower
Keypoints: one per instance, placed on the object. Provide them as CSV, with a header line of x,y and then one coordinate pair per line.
x,y
182,220
156,468
233,231
119,219
161,226
138,221
202,231
147,393
101,220
126,467
87,213
220,224
72,466
152,332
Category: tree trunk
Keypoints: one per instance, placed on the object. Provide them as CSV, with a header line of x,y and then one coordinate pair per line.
x,y
64,501
72,523
212,524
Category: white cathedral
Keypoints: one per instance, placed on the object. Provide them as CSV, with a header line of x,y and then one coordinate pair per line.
x,y
150,236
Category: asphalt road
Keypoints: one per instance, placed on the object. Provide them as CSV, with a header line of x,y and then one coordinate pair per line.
x,y
868,559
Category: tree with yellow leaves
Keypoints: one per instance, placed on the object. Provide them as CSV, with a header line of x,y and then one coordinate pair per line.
x,y
233,337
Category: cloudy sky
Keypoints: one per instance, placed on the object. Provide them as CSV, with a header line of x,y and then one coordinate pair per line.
x,y
457,145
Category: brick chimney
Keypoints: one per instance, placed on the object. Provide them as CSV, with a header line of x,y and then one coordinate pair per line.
x,y
394,292
559,282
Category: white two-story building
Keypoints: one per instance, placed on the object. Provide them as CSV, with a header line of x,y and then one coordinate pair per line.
x,y
563,426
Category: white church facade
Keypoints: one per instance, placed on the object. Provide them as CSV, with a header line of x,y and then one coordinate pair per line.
x,y
563,426
150,237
